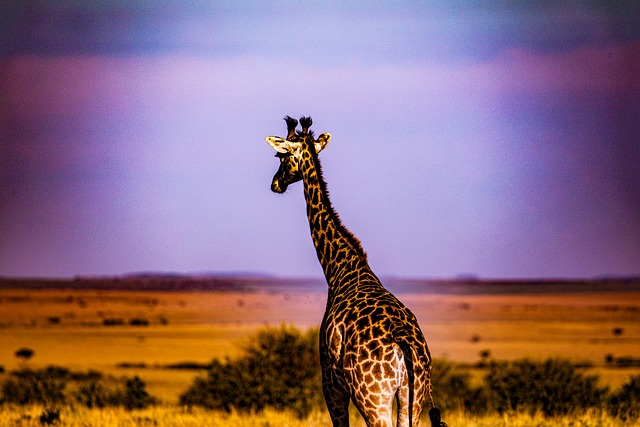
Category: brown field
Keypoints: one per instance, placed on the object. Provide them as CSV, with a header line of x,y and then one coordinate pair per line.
x,y
67,327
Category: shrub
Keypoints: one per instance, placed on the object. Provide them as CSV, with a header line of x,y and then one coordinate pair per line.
x,y
135,395
188,366
112,322
50,416
625,403
553,387
93,394
90,375
34,387
450,385
48,387
219,390
279,369
138,321
24,353
132,394
55,372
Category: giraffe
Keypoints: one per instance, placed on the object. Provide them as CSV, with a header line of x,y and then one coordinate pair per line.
x,y
372,350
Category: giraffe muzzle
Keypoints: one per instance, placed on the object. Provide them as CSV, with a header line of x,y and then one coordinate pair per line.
x,y
278,187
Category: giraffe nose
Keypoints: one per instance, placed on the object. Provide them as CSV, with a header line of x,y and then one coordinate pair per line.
x,y
278,187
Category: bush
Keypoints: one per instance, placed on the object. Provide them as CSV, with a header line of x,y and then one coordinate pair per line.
x,y
132,394
552,387
50,416
451,385
135,394
24,353
219,390
138,321
48,387
279,369
34,387
625,403
93,394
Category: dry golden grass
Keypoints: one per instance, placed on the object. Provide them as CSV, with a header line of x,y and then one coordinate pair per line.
x,y
179,417
158,416
588,419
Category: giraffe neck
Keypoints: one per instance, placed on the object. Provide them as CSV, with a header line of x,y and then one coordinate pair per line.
x,y
339,251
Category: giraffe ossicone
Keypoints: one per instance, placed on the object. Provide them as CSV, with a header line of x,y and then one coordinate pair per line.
x,y
283,146
372,349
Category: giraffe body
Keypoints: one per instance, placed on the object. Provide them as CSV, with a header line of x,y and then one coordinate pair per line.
x,y
372,350
365,339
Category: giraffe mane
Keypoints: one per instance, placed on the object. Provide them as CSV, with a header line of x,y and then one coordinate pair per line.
x,y
352,239
310,133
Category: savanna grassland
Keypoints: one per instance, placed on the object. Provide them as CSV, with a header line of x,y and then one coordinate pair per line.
x,y
167,416
164,334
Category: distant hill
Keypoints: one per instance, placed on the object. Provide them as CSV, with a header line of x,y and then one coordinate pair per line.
x,y
512,286
256,283
145,282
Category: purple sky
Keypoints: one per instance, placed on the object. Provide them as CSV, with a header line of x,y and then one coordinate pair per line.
x,y
496,140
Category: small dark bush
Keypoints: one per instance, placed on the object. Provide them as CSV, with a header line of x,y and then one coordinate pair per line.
x,y
138,321
93,394
112,322
625,403
279,369
131,394
34,387
188,366
50,416
626,362
90,375
55,372
452,390
553,387
135,395
450,385
24,353
129,365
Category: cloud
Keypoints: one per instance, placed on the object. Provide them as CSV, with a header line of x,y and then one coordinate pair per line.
x,y
474,155
95,102
384,32
601,70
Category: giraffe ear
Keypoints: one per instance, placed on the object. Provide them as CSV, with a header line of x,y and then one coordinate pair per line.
x,y
322,141
281,145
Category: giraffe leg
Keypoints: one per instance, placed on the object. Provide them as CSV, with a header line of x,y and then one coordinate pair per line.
x,y
337,400
374,389
403,405
377,415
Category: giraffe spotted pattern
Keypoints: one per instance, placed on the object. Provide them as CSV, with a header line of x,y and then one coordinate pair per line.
x,y
372,350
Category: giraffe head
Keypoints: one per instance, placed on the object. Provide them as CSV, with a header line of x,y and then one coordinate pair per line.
x,y
289,151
